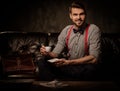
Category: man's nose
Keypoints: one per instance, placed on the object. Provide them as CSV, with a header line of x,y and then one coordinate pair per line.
x,y
79,16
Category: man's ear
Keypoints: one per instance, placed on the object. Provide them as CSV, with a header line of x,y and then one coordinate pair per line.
x,y
70,16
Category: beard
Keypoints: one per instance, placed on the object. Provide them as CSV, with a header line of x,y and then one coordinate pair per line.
x,y
79,23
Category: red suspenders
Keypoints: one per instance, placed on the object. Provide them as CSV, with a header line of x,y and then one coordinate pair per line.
x,y
68,36
85,39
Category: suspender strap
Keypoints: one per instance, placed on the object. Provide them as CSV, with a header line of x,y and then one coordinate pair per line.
x,y
85,39
68,36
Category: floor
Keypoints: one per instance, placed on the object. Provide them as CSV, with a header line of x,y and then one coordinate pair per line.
x,y
34,85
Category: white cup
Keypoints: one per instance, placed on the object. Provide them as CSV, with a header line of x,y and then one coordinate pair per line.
x,y
48,48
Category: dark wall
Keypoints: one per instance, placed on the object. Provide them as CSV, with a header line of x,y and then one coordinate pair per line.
x,y
53,16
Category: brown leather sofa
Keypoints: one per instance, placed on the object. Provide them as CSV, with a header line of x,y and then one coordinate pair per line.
x,y
15,44
19,51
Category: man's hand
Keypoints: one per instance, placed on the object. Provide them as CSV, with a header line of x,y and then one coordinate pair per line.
x,y
61,62
43,50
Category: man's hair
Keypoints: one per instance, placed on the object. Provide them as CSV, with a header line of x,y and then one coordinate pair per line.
x,y
77,4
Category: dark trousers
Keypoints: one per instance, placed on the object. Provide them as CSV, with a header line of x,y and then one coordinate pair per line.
x,y
47,71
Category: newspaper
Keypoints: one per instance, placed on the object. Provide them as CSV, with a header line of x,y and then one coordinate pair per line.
x,y
53,84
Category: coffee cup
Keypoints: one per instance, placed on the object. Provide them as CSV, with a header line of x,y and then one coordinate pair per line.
x,y
48,48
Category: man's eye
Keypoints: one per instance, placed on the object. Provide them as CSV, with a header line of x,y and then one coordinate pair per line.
x,y
75,14
82,14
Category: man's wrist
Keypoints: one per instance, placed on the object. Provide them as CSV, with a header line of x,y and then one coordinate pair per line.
x,y
48,55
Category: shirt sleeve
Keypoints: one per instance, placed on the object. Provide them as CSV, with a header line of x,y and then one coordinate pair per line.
x,y
95,42
61,41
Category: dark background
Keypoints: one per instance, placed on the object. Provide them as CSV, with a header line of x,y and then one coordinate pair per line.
x,y
53,15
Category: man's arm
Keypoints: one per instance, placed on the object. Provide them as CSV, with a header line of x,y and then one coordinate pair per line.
x,y
84,60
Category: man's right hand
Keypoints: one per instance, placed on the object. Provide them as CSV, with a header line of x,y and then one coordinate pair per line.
x,y
43,50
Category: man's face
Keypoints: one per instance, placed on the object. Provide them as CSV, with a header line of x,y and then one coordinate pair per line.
x,y
77,15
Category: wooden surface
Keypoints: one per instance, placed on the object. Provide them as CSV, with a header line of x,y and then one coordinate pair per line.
x,y
33,85
86,84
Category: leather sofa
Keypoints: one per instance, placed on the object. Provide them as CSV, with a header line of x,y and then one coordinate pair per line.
x,y
19,43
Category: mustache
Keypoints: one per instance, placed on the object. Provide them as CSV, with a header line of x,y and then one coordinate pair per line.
x,y
79,20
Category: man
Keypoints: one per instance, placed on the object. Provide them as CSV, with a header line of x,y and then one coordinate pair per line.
x,y
83,43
